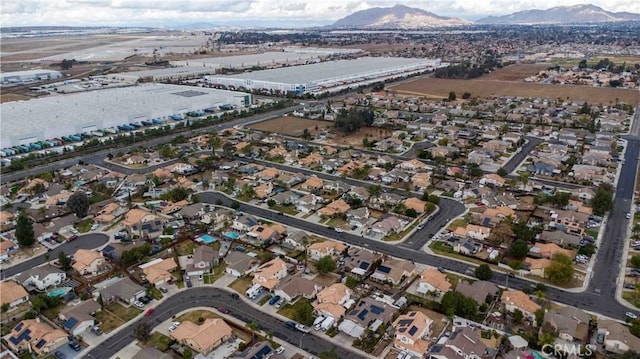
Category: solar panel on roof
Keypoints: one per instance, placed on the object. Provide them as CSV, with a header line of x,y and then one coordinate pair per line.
x,y
413,330
41,343
108,248
364,265
21,337
19,327
412,314
376,310
363,314
384,269
70,323
405,322
486,222
402,330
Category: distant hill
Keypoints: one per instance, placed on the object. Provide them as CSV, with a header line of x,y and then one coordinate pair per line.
x,y
397,17
584,13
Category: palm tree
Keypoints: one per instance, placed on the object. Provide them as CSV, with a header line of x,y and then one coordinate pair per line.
x,y
253,327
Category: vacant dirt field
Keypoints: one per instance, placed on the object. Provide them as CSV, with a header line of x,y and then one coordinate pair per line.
x,y
440,88
290,125
516,72
355,139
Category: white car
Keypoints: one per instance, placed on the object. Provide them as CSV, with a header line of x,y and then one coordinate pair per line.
x,y
280,350
339,230
138,304
94,227
628,216
74,230
631,315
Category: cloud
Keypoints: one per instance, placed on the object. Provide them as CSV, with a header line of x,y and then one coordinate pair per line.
x,y
143,12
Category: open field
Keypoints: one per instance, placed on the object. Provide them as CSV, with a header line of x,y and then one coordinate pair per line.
x,y
440,88
290,125
515,72
355,139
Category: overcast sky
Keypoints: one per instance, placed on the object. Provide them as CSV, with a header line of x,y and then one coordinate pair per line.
x,y
282,13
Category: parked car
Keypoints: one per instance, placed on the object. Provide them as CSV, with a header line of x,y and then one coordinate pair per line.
x,y
174,326
223,310
629,286
138,304
420,226
75,346
631,315
144,299
72,238
60,355
96,330
303,328
163,289
149,312
280,350
280,303
339,230
291,324
235,296
274,299
628,215
442,270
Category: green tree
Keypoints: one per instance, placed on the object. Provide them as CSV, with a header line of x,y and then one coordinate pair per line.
x,y
602,200
78,203
235,204
560,270
518,316
24,231
455,303
474,170
351,282
443,141
484,272
590,249
502,172
176,194
452,96
64,261
466,95
187,353
518,249
374,190
326,264
635,261
228,150
5,307
253,327
304,314
142,332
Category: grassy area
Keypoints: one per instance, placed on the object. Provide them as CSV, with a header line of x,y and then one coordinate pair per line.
x,y
632,298
186,248
264,299
460,222
158,341
337,223
291,310
177,274
194,316
217,273
398,236
155,293
108,322
285,209
445,250
122,312
84,226
241,284
591,233
215,245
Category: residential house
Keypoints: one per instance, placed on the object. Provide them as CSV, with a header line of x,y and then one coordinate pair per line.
x,y
413,165
6,249
118,289
135,218
388,225
239,263
463,343
285,198
203,259
205,337
308,203
515,299
41,278
537,266
560,238
12,293
322,249
313,184
479,290
548,250
569,327
334,187
76,318
367,314
421,181
336,207
415,204
34,336
476,232
295,287
492,179
617,337
259,350
243,223
159,271
269,274
385,200
360,261
412,331
333,300
394,271
89,262
433,283
358,217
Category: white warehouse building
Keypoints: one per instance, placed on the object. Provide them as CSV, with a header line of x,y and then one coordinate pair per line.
x,y
329,76
47,118
18,77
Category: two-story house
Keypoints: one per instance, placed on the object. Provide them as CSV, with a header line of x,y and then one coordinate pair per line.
x,y
42,278
412,331
269,274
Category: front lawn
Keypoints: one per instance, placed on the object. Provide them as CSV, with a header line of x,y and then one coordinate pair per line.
x,y
217,273
290,209
84,226
241,284
122,312
292,311
632,298
108,322
196,316
158,341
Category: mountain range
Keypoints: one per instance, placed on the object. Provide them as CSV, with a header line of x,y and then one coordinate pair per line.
x,y
404,17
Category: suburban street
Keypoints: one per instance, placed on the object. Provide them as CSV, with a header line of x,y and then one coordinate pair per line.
x,y
214,297
84,241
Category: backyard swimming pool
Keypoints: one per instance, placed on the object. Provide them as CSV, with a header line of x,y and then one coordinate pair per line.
x,y
232,235
58,292
207,238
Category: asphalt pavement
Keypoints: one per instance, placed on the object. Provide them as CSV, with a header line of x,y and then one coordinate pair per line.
x,y
85,241
214,297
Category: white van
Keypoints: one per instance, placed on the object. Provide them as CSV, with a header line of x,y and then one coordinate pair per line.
x,y
254,291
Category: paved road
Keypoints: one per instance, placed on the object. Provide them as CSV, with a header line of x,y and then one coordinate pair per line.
x,y
85,241
604,303
515,161
98,157
214,297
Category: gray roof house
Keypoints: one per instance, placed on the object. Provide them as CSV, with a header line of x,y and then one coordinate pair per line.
x,y
77,318
123,289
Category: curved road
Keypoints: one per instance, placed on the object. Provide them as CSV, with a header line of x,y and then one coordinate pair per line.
x,y
214,297
85,241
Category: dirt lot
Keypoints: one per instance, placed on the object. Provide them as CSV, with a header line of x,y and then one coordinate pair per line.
x,y
515,72
355,139
290,125
440,88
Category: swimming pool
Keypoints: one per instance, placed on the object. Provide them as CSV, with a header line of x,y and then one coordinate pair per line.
x,y
207,238
58,292
232,235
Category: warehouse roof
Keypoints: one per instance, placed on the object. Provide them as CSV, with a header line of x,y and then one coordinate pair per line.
x,y
332,69
44,117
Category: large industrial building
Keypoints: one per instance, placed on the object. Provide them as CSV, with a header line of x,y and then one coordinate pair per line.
x,y
47,118
328,76
20,77
169,73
